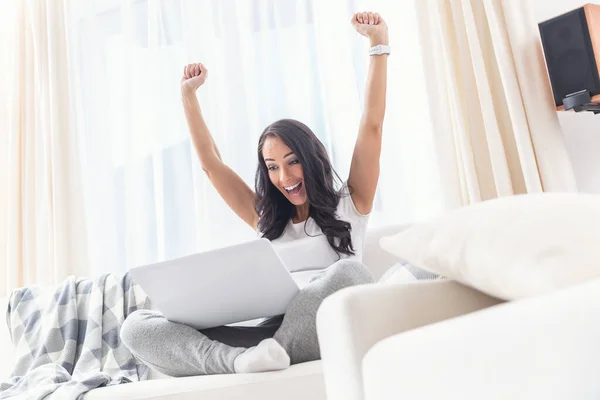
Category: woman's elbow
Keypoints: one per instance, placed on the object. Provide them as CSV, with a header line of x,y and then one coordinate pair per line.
x,y
373,127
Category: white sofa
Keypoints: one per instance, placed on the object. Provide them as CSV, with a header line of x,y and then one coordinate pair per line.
x,y
539,348
383,342
302,381
414,341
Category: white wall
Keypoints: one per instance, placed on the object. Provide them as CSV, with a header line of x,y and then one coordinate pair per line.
x,y
581,130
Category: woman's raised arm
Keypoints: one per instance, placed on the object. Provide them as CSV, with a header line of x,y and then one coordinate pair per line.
x,y
364,169
236,193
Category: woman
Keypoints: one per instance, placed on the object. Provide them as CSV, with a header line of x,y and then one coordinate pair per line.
x,y
295,201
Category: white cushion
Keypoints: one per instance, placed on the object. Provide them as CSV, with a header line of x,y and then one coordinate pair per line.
x,y
511,247
299,382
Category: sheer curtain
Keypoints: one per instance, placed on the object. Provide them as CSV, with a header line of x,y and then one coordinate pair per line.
x,y
146,198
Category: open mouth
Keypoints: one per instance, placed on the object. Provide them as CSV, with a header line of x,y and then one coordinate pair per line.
x,y
295,189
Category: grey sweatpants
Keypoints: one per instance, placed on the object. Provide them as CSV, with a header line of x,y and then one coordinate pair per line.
x,y
179,350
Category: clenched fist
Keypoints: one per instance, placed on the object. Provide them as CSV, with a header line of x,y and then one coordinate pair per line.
x,y
372,26
194,76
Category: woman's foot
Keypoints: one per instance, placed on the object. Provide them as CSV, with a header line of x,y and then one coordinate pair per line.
x,y
267,356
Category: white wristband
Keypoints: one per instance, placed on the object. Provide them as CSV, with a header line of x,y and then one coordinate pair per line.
x,y
379,49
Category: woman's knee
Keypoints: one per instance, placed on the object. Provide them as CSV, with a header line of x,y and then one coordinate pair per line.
x,y
350,272
134,330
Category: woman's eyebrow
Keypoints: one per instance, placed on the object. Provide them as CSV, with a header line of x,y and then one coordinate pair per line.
x,y
286,156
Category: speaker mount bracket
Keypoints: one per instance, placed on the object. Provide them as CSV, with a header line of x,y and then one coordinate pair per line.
x,y
581,101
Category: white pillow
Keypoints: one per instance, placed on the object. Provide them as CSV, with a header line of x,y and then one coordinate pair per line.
x,y
511,247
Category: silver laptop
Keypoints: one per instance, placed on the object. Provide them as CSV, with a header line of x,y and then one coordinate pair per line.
x,y
219,287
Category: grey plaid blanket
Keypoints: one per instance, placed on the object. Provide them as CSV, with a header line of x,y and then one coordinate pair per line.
x,y
67,337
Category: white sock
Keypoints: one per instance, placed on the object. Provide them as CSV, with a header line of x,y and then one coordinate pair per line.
x,y
267,356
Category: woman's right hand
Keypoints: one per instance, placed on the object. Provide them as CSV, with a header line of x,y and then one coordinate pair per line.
x,y
194,76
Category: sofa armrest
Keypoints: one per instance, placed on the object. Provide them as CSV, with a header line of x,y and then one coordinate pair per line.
x,y
352,320
537,348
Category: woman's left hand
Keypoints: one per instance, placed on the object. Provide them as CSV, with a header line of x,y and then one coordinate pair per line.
x,y
372,26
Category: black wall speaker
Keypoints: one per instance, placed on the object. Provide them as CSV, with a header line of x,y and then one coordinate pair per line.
x,y
571,45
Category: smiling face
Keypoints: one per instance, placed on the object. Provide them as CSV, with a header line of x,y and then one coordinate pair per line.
x,y
285,170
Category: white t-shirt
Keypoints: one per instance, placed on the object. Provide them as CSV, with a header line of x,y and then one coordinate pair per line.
x,y
305,250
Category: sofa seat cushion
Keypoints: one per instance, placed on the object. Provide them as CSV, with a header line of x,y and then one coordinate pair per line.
x,y
299,382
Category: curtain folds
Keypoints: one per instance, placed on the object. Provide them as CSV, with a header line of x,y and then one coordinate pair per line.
x,y
42,223
496,129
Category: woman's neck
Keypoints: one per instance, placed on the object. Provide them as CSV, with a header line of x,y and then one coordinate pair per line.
x,y
302,213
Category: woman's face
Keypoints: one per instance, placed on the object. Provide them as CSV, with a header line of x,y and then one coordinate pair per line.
x,y
285,170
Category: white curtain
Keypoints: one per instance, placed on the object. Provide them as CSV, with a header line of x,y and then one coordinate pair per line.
x,y
496,128
7,37
146,197
42,226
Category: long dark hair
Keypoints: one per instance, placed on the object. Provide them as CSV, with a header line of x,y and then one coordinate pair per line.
x,y
275,210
